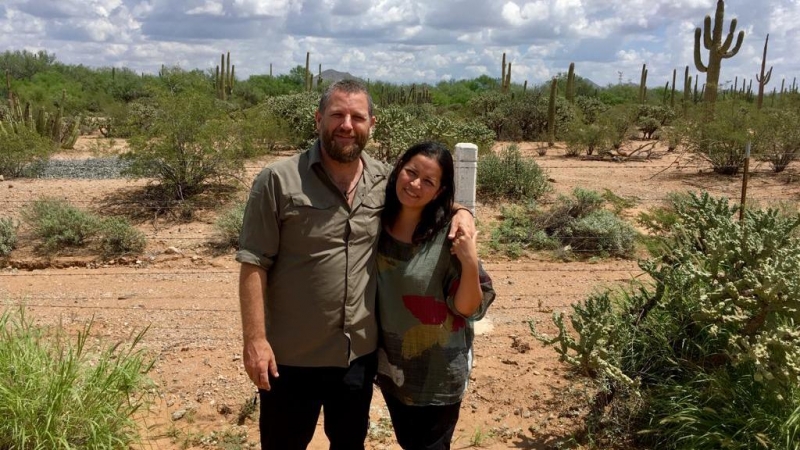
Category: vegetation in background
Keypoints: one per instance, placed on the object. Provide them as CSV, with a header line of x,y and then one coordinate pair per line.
x,y
61,392
708,355
57,225
188,143
578,224
229,224
24,152
8,236
508,176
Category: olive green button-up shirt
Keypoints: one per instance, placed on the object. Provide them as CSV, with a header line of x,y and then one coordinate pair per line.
x,y
319,254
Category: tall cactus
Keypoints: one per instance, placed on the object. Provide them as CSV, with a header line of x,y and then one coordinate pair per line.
x,y
717,50
308,72
571,83
551,114
225,74
687,90
643,85
672,96
764,78
503,75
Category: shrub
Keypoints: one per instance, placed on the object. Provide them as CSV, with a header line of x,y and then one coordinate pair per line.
x,y
59,394
8,236
297,110
578,223
723,139
58,224
509,176
711,350
581,137
118,237
189,142
229,224
23,152
777,138
600,232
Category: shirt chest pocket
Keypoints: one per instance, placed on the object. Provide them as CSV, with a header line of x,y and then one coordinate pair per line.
x,y
307,217
369,218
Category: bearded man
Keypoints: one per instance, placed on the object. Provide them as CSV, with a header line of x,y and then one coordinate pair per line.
x,y
307,279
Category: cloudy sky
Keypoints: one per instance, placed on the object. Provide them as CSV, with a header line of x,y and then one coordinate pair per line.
x,y
405,41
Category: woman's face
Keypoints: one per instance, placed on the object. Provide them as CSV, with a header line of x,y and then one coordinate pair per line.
x,y
418,182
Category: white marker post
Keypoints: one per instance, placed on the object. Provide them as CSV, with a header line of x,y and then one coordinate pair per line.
x,y
466,166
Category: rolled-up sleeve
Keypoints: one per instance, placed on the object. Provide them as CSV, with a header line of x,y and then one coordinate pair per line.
x,y
260,236
487,290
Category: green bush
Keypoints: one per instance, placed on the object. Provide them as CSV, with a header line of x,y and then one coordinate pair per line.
x,y
509,176
8,236
229,224
22,152
708,356
577,223
60,394
297,110
189,142
777,138
600,232
58,224
118,237
722,141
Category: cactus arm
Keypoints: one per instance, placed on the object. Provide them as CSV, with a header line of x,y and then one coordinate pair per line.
x,y
729,38
707,41
768,76
736,48
698,59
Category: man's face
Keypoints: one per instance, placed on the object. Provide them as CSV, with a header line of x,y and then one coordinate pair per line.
x,y
344,126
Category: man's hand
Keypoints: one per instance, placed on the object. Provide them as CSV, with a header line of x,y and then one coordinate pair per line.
x,y
462,224
259,362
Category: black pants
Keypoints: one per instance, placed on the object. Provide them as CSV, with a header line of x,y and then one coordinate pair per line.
x,y
289,411
422,427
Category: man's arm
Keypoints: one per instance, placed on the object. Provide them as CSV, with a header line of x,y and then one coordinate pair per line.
x,y
463,222
259,360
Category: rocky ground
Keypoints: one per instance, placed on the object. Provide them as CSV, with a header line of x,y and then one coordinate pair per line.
x,y
184,289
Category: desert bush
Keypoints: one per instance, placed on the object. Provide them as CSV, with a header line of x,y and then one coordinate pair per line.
x,y
577,223
228,225
585,138
618,121
721,140
24,151
188,143
511,177
600,232
710,348
591,108
650,118
297,110
400,127
777,138
117,237
57,224
57,392
8,236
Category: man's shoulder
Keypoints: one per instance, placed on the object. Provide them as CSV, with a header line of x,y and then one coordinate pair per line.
x,y
375,165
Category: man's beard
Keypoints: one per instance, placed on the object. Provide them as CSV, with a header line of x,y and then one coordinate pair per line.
x,y
342,154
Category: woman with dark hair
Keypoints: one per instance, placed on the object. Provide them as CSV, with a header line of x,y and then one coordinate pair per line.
x,y
430,290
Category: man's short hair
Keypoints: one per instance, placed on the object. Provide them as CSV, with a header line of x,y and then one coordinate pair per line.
x,y
349,86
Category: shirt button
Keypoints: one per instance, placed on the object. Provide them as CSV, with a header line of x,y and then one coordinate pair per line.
x,y
350,244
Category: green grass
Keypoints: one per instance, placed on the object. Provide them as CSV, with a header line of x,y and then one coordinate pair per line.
x,y
61,392
8,236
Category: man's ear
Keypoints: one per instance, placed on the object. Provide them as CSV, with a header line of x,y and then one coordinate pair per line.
x,y
317,119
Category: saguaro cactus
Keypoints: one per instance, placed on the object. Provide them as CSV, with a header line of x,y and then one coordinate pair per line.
x,y
764,78
224,74
308,72
717,49
643,85
551,114
672,95
571,83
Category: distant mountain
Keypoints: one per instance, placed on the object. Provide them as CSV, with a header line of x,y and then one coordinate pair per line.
x,y
333,76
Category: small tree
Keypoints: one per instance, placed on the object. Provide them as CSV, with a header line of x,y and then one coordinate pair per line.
x,y
188,143
22,152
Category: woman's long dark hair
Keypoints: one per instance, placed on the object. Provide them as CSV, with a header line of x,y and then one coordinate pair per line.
x,y
436,214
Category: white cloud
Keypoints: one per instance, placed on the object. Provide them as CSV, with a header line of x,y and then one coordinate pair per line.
x,y
402,40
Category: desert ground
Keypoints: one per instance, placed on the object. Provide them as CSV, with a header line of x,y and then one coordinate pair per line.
x,y
184,289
